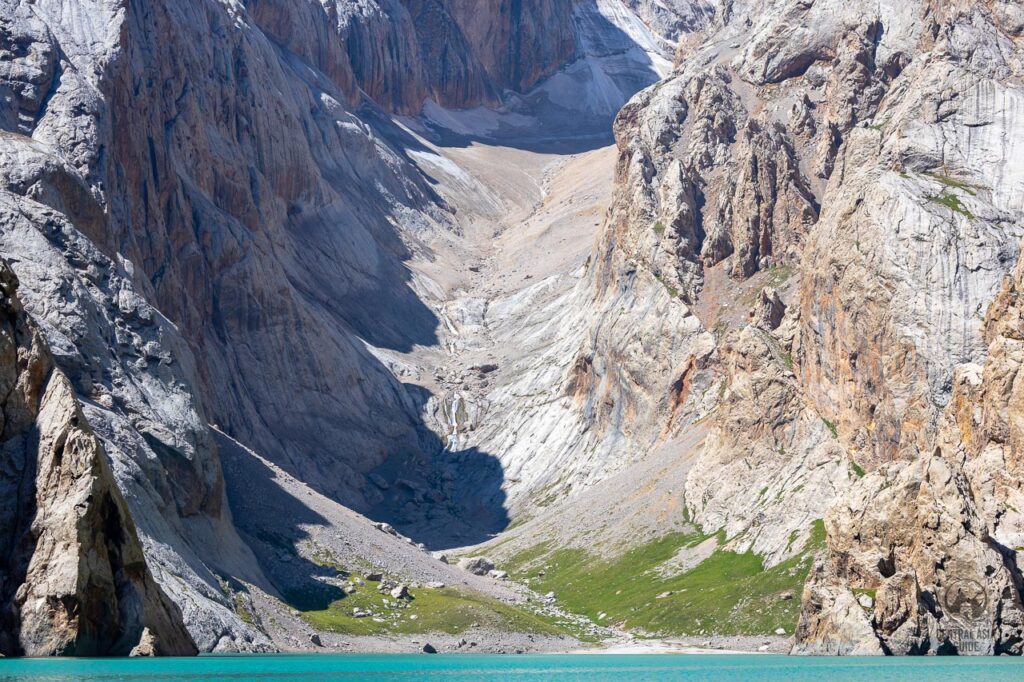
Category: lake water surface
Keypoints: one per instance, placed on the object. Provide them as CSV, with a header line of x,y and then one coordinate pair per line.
x,y
543,667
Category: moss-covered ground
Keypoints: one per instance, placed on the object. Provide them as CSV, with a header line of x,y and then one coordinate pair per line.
x,y
952,202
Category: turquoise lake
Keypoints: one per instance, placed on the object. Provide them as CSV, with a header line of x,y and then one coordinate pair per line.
x,y
550,668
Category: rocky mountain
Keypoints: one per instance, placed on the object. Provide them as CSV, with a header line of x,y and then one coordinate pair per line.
x,y
812,215
319,288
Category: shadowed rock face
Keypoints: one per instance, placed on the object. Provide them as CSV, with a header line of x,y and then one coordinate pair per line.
x,y
513,45
401,52
75,580
270,226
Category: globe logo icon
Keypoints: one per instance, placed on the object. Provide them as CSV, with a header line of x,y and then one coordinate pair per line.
x,y
966,600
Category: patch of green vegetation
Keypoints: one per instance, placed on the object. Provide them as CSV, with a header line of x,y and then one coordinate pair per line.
x,y
779,274
659,228
831,426
949,199
857,591
551,493
531,556
720,329
792,538
722,388
242,609
727,593
520,520
233,590
777,352
325,558
952,202
955,184
672,291
449,610
857,469
817,540
878,126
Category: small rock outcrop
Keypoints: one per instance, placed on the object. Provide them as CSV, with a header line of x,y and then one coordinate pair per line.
x,y
147,646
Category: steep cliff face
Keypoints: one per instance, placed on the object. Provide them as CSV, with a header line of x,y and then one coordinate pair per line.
x,y
719,184
272,224
941,553
276,217
75,580
864,240
940,174
402,52
888,186
933,542
516,44
800,157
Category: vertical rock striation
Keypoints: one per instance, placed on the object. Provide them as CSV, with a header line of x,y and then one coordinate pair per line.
x,y
400,53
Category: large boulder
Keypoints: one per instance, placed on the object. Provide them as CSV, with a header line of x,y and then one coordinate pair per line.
x,y
479,565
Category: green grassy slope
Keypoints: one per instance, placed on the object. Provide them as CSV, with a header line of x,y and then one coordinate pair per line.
x,y
727,593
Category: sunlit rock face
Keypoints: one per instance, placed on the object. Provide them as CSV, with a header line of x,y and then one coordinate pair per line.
x,y
935,539
860,160
902,368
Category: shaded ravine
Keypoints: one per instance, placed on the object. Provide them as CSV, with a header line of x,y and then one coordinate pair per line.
x,y
492,264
